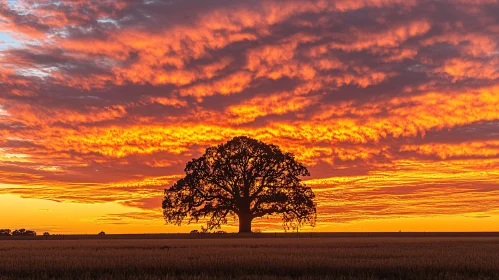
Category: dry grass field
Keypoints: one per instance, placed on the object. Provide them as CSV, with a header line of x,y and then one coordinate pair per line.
x,y
253,258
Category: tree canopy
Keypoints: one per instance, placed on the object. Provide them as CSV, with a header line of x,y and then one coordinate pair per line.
x,y
23,232
243,178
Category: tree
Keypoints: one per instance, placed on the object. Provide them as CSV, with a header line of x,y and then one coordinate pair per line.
x,y
18,232
23,232
245,178
4,232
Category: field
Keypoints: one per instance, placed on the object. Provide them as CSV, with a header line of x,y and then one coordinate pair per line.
x,y
253,258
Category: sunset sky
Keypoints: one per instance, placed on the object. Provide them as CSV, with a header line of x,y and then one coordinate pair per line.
x,y
393,105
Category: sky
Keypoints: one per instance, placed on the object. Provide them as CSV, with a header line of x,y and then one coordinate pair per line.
x,y
393,105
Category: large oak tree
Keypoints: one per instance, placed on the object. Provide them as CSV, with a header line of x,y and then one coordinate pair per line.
x,y
245,178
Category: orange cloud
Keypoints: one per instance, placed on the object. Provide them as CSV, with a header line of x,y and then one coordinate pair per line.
x,y
32,115
234,83
388,39
466,149
467,69
473,44
276,104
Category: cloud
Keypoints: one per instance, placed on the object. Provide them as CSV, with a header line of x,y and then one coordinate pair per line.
x,y
465,149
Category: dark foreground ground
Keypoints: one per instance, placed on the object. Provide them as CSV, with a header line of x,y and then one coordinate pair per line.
x,y
253,258
251,235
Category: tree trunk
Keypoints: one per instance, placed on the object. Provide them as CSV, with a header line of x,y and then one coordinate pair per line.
x,y
245,223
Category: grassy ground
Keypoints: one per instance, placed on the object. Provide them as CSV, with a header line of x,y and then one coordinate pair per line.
x,y
248,258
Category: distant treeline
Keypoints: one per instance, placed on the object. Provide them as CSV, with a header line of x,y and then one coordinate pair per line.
x,y
18,232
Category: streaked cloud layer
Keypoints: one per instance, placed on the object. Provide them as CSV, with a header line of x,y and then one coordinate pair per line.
x,y
393,105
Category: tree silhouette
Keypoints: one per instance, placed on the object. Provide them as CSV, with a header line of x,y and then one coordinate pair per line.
x,y
23,232
245,178
4,232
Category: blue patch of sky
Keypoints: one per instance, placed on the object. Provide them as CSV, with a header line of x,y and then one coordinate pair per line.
x,y
32,72
7,41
